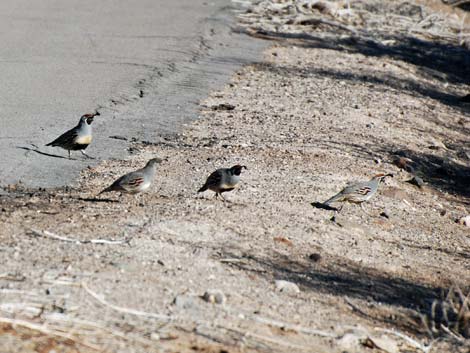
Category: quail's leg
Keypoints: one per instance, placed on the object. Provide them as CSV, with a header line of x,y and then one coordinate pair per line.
x,y
84,153
363,209
69,154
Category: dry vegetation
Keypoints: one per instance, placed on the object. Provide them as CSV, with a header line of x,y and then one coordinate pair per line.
x,y
349,88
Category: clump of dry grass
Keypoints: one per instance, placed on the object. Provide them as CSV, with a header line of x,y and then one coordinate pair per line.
x,y
450,316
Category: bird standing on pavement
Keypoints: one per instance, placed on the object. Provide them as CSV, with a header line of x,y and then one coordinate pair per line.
x,y
135,182
358,192
223,180
78,138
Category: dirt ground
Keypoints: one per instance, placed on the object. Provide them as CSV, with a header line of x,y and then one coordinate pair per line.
x,y
129,274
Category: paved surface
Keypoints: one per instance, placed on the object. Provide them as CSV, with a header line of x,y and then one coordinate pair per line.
x,y
143,63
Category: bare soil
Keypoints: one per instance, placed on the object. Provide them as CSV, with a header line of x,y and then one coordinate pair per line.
x,y
316,113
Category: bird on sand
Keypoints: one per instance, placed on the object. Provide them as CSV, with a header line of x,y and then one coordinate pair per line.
x,y
137,181
223,180
359,193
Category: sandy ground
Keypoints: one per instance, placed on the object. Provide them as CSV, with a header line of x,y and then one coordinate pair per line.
x,y
144,64
313,115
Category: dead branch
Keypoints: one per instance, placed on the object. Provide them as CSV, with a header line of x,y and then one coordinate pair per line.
x,y
270,16
281,324
47,234
124,310
247,334
451,333
12,277
56,317
408,339
287,326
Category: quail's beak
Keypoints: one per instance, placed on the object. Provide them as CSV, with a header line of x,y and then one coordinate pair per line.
x,y
244,166
390,175
89,120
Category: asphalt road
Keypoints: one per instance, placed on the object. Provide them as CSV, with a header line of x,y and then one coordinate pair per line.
x,y
144,63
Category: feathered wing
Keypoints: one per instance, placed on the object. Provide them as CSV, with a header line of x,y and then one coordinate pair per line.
x,y
352,193
214,179
132,181
125,183
113,187
66,139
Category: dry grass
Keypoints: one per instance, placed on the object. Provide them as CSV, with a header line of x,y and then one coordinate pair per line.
x,y
450,317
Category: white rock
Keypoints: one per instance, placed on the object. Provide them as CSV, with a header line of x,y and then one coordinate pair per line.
x,y
214,297
465,221
286,286
184,301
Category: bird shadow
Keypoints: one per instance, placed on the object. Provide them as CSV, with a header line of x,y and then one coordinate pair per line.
x,y
95,199
322,206
35,149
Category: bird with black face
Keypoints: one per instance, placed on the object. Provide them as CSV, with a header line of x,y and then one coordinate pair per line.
x,y
223,180
77,138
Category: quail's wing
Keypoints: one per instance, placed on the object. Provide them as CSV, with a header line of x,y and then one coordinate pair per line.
x,y
66,139
215,178
359,188
131,181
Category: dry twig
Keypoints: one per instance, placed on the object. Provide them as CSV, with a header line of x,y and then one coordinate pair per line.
x,y
408,339
125,310
47,234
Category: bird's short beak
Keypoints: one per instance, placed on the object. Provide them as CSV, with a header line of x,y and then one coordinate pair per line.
x,y
390,175
244,166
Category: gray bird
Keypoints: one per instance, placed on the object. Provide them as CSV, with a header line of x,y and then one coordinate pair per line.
x,y
223,180
78,138
358,192
135,182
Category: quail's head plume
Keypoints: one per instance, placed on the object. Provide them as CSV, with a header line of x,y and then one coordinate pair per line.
x,y
88,118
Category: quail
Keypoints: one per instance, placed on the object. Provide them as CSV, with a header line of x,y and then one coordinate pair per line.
x,y
223,180
135,182
78,138
358,192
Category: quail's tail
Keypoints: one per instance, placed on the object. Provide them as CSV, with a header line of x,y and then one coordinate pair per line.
x,y
337,197
203,188
108,189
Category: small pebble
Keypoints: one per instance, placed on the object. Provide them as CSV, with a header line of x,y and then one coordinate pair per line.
x,y
184,301
465,221
286,286
214,297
